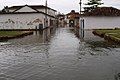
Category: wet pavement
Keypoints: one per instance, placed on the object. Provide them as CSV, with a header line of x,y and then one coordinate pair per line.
x,y
59,56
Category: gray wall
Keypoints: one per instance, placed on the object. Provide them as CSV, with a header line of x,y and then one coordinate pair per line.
x,y
101,22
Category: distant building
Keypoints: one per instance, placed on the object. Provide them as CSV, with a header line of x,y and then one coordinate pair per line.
x,y
102,17
27,17
73,18
61,20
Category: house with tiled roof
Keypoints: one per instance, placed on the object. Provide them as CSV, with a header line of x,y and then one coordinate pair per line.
x,y
27,17
102,17
73,18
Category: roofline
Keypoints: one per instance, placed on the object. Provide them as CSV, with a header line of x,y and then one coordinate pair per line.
x,y
24,6
27,13
33,6
72,13
100,16
111,10
44,6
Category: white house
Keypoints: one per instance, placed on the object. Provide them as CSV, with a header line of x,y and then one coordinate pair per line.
x,y
102,17
27,17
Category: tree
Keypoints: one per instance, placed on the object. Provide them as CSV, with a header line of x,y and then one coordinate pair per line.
x,y
93,4
5,9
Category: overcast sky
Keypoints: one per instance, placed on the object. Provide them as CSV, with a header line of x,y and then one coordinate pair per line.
x,y
63,6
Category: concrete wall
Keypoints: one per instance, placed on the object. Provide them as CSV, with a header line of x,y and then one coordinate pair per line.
x,y
21,21
101,22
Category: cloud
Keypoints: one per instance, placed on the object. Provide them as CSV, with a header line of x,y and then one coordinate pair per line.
x,y
113,3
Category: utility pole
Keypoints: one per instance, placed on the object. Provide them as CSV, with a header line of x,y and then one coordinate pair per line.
x,y
80,6
46,21
81,22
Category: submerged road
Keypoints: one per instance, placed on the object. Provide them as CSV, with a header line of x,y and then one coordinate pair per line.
x,y
62,56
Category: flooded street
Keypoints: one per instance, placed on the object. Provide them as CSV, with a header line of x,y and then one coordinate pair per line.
x,y
60,56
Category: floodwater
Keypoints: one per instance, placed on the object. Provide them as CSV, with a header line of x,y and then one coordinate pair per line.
x,y
60,55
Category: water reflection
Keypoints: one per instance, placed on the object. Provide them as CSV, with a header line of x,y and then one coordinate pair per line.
x,y
4,43
32,47
81,33
117,76
45,34
59,54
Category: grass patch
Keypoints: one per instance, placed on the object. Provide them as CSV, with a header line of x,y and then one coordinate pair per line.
x,y
115,34
10,33
108,32
5,35
110,35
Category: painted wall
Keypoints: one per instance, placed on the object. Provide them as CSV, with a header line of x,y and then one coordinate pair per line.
x,y
101,22
22,21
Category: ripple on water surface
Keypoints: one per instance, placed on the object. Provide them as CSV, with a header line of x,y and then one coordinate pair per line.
x,y
62,57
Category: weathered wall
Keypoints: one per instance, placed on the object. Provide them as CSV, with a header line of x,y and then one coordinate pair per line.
x,y
21,21
101,22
